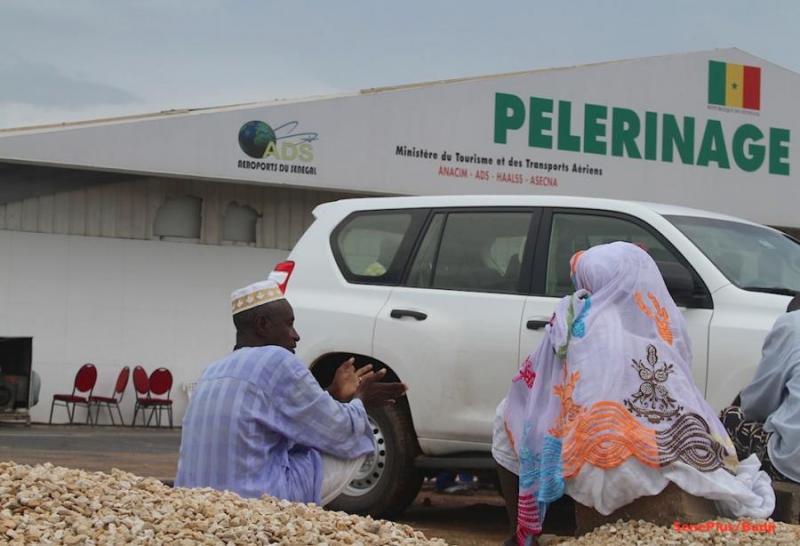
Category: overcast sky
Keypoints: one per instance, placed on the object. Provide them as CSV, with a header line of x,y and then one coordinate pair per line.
x,y
82,59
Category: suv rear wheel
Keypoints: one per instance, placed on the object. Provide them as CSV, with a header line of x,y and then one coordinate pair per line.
x,y
388,481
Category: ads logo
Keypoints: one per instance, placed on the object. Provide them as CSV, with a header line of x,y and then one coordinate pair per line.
x,y
734,85
260,141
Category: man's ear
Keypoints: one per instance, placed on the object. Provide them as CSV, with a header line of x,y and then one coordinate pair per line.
x,y
262,325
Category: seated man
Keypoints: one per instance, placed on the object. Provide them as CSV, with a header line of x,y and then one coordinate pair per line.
x,y
259,423
766,421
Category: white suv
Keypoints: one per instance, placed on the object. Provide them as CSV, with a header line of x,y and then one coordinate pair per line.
x,y
450,293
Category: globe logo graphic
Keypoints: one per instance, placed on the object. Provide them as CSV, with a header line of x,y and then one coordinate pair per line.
x,y
254,137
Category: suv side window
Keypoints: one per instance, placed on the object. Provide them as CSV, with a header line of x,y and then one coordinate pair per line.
x,y
571,232
473,251
372,247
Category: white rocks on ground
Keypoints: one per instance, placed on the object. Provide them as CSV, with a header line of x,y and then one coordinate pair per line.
x,y
719,532
46,504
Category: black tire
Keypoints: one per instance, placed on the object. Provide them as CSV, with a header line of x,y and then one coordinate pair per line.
x,y
388,482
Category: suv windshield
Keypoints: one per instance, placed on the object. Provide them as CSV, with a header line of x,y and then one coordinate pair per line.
x,y
751,257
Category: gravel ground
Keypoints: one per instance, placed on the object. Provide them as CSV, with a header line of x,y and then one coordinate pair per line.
x,y
720,532
46,504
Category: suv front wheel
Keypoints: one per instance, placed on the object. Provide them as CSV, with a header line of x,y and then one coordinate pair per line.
x,y
387,482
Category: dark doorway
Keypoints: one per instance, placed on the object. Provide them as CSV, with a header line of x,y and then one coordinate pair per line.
x,y
15,372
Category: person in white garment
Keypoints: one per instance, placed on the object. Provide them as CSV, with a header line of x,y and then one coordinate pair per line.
x,y
606,410
765,418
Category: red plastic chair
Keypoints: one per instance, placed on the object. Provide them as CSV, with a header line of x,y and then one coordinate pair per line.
x,y
114,399
159,401
142,387
85,380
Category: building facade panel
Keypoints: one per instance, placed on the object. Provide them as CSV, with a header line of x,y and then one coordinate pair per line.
x,y
127,210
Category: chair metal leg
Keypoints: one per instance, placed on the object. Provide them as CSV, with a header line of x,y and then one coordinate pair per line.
x,y
121,420
52,406
135,411
89,415
111,415
169,412
149,417
70,413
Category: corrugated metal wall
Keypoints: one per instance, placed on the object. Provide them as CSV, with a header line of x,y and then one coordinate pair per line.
x,y
127,210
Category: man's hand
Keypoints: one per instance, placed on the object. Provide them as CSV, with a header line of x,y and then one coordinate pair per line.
x,y
347,380
373,393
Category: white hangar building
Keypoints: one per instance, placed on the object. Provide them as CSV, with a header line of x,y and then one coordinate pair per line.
x,y
121,239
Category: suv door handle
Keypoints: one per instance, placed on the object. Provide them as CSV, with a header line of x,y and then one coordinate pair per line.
x,y
400,313
536,324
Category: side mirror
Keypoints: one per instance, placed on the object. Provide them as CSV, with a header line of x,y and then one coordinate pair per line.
x,y
679,282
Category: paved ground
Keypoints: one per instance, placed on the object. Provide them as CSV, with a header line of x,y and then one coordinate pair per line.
x,y
146,452
472,519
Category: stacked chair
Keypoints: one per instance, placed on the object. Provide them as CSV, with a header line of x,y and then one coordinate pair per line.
x,y
152,393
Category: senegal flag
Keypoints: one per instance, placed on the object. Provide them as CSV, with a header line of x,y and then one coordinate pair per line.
x,y
734,85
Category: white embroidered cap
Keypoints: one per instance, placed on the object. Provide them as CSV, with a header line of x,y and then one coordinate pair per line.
x,y
254,295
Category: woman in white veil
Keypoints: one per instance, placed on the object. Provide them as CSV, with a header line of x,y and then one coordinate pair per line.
x,y
606,410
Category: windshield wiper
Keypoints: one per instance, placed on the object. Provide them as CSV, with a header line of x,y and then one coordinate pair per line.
x,y
772,290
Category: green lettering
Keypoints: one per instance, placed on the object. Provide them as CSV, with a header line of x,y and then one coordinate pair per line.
x,y
566,140
288,151
751,159
672,138
625,128
540,123
778,151
272,150
650,135
306,152
713,146
509,114
593,129
626,135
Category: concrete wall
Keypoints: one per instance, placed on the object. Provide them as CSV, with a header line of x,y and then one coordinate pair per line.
x,y
116,302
